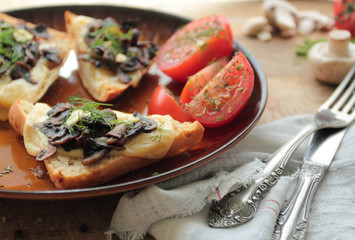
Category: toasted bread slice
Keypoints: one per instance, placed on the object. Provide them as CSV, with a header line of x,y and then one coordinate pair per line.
x,y
43,74
66,169
103,84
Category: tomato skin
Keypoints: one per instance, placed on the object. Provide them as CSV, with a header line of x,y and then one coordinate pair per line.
x,y
164,103
197,81
225,96
344,12
195,45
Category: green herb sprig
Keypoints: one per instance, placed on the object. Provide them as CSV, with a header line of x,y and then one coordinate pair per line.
x,y
160,131
86,105
95,113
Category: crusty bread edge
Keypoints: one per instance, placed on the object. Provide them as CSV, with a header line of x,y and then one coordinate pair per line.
x,y
18,113
111,169
187,135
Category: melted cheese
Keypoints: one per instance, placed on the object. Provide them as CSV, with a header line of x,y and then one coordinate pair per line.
x,y
75,117
34,140
79,24
149,145
10,90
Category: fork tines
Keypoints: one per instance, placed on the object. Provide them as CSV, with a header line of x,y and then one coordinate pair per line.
x,y
343,98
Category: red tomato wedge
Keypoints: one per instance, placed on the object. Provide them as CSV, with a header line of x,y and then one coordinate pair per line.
x,y
197,81
163,102
224,96
193,46
344,12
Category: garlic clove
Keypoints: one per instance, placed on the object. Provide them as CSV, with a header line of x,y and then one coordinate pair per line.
x,y
306,26
257,27
264,36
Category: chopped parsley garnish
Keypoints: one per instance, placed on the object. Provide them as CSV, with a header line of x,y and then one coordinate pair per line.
x,y
11,50
6,170
109,36
19,51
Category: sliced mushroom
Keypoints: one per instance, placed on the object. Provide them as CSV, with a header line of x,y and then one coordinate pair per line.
x,y
282,15
311,20
52,55
118,131
96,156
306,26
322,21
46,153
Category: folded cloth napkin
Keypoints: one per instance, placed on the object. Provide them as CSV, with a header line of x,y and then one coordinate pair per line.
x,y
177,209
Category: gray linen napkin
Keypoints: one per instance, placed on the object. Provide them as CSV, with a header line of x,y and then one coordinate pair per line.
x,y
177,209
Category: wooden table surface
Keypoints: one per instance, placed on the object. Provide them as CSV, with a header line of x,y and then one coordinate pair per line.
x,y
292,91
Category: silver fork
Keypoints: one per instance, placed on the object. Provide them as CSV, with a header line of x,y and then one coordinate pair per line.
x,y
240,206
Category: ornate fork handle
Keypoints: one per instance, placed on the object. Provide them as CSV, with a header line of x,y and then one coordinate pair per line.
x,y
292,220
241,205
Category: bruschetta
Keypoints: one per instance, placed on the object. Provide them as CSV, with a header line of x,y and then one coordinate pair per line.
x,y
83,146
110,55
30,59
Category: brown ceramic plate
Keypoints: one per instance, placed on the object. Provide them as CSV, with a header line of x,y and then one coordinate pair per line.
x,y
155,26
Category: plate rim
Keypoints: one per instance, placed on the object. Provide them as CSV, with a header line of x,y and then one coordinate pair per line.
x,y
105,190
